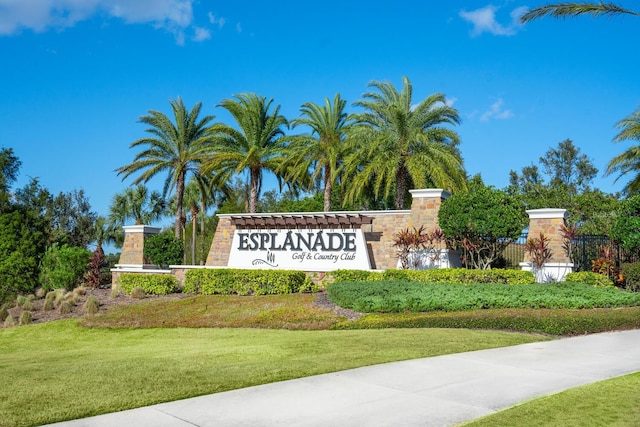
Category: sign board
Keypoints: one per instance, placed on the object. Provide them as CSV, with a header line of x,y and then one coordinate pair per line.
x,y
300,249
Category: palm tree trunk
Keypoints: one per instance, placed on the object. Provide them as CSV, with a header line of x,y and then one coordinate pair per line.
x,y
327,188
253,196
179,195
401,185
194,224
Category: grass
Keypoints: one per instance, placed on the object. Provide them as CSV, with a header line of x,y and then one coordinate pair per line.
x,y
612,402
59,371
292,311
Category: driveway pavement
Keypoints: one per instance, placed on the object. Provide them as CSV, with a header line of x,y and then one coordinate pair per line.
x,y
436,391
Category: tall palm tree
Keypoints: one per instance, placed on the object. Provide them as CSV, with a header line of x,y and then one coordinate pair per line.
x,y
177,149
628,162
321,150
401,144
257,145
567,9
137,204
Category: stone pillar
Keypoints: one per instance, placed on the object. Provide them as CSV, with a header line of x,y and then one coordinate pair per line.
x,y
133,247
549,222
221,246
424,212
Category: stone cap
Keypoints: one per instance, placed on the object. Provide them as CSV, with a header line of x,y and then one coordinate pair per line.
x,y
546,213
146,229
430,193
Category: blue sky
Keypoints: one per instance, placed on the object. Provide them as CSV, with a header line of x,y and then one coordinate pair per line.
x,y
75,75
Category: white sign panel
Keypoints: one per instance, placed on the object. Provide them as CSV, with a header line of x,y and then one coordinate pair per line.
x,y
305,249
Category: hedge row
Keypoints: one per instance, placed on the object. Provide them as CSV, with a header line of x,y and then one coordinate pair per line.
x,y
553,322
589,278
441,275
156,284
228,281
400,296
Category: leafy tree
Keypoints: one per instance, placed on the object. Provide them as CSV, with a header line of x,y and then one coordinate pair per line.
x,y
399,145
177,149
626,226
9,168
563,180
628,162
568,9
22,243
481,223
63,267
323,149
164,249
255,147
72,218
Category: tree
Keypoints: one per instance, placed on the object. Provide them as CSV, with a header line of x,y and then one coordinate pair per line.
x,y
137,204
322,150
481,223
628,162
73,220
626,226
399,144
177,149
9,169
563,10
255,147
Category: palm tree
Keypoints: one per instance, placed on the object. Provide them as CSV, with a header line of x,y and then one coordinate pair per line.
x,y
399,144
174,148
255,147
628,161
563,10
137,204
321,150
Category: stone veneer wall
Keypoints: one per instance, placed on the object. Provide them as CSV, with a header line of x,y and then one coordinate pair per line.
x,y
379,237
549,222
221,245
133,247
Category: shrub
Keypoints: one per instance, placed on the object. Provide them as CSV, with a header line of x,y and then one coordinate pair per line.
x,y
65,307
91,305
40,293
164,249
27,306
9,321
631,274
626,227
245,282
63,267
138,293
25,318
94,277
48,304
154,284
399,296
21,300
589,278
80,290
481,223
440,275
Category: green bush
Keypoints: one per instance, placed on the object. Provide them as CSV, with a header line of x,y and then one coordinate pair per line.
x,y
227,281
154,284
631,274
589,278
553,322
138,293
63,267
91,305
164,249
25,318
625,229
400,296
439,275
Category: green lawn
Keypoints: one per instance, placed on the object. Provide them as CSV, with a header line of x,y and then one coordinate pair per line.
x,y
608,403
58,371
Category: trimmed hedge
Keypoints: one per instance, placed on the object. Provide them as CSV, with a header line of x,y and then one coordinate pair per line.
x,y
589,278
399,296
439,275
228,281
155,284
631,273
553,322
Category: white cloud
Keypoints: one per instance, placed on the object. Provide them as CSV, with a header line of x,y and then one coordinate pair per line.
x,y
484,20
217,21
40,15
202,34
450,101
496,112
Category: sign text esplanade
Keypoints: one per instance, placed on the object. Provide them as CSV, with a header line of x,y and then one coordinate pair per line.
x,y
313,242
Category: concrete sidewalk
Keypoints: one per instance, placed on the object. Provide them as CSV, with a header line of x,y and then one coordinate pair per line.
x,y
437,391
